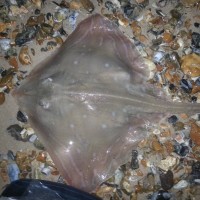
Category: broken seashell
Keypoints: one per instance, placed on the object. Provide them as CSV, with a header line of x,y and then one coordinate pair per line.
x,y
24,57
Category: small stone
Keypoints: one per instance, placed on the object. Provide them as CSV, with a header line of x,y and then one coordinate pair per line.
x,y
42,157
173,119
161,3
7,80
149,182
15,130
193,99
179,138
16,11
11,155
75,5
136,28
33,138
110,6
167,37
195,133
38,144
189,3
197,25
186,85
195,45
139,172
132,11
4,44
156,145
178,43
13,62
21,117
13,172
167,163
175,14
191,65
37,11
37,3
125,184
196,170
167,180
138,188
181,149
161,195
2,98
195,89
87,5
181,185
118,176
46,171
55,173
169,146
134,160
178,126
197,82
166,133
196,152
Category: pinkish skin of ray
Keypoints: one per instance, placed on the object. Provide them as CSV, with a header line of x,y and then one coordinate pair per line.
x,y
90,103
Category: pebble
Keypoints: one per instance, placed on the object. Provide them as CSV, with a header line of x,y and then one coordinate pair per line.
x,y
75,5
46,171
161,195
156,145
22,117
158,56
134,160
13,62
110,6
11,155
73,19
191,65
2,98
87,5
167,180
25,36
195,133
125,184
132,11
195,42
118,176
181,185
15,130
13,172
196,170
38,144
173,119
196,151
4,44
167,37
186,85
33,138
61,15
149,182
167,163
181,149
37,11
175,14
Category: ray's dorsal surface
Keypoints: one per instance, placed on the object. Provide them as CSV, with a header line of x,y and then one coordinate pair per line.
x,y
89,104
